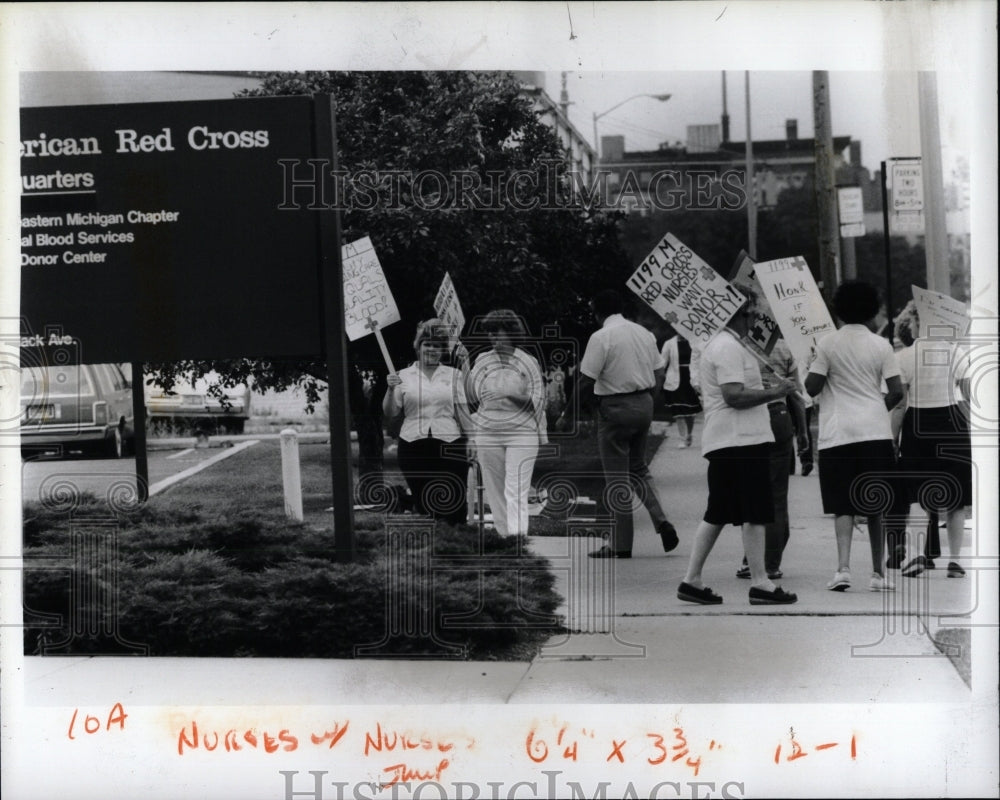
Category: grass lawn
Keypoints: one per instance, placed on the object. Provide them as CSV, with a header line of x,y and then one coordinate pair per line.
x,y
212,567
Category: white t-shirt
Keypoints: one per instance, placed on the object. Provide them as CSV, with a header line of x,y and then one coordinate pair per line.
x,y
725,360
931,369
855,363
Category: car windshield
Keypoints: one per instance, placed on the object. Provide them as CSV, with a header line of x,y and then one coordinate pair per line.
x,y
38,383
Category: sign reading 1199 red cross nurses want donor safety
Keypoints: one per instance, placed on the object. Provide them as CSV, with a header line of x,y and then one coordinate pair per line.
x,y
684,290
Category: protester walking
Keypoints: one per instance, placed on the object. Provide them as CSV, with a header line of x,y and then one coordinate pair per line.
x,y
737,443
932,426
679,395
856,454
432,451
507,388
622,368
780,363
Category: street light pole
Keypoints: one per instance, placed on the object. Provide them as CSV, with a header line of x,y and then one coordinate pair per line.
x,y
597,145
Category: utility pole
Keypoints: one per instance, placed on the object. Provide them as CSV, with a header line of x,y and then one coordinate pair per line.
x,y
751,196
935,225
826,187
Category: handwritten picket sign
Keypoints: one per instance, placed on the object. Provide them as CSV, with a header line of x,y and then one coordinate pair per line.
x,y
683,289
368,301
448,308
940,315
796,304
763,331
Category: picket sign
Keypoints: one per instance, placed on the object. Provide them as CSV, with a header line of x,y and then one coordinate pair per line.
x,y
797,305
368,302
764,331
449,309
683,289
941,316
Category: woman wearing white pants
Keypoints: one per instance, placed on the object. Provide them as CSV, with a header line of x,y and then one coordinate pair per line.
x,y
507,385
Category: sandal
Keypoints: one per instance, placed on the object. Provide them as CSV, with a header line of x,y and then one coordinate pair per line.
x,y
692,594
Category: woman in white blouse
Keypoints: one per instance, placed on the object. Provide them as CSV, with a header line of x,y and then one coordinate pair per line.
x,y
935,454
506,384
432,450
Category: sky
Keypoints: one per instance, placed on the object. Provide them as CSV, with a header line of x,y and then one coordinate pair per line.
x,y
862,105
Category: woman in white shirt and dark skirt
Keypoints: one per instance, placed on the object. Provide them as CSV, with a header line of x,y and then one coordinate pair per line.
x,y
432,451
935,453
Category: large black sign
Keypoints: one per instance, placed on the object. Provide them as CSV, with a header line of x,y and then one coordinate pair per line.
x,y
151,231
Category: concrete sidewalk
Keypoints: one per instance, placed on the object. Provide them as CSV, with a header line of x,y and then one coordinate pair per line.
x,y
634,641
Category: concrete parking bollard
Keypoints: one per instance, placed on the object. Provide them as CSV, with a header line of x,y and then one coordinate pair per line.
x,y
290,476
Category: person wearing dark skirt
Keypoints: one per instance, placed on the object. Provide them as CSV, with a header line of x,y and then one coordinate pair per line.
x,y
435,424
857,462
935,453
679,395
737,443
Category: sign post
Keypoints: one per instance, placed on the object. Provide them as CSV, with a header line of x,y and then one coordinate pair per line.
x,y
332,281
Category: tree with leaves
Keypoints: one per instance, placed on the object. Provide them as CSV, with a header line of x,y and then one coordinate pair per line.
x,y
515,239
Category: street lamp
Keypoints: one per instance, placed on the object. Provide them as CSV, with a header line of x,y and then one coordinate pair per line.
x,y
661,97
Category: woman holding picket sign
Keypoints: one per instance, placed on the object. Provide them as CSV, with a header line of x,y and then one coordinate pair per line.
x,y
430,398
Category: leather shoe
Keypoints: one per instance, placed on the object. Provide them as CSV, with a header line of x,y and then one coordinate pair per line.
x,y
762,597
668,535
692,594
607,552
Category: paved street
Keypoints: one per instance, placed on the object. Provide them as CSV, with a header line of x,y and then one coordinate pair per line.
x,y
45,477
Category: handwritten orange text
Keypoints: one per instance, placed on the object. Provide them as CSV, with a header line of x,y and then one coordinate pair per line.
x,y
798,752
401,773
92,724
392,740
574,744
235,740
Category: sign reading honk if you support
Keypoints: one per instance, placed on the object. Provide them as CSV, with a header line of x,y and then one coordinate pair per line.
x,y
683,289
796,304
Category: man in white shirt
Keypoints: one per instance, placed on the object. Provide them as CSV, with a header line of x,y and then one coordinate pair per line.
x,y
623,368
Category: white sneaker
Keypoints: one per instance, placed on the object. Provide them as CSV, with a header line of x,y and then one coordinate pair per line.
x,y
880,584
840,582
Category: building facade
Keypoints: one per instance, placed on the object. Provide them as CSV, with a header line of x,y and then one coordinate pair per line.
x,y
708,173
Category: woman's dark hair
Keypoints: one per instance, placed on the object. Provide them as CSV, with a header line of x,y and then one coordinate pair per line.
x,y
856,302
608,302
503,319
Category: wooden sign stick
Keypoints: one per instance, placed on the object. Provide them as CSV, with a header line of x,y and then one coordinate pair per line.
x,y
373,325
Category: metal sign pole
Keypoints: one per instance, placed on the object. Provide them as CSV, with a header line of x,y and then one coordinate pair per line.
x,y
335,340
888,253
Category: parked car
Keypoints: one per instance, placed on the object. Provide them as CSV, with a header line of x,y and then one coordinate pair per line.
x,y
71,407
187,409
